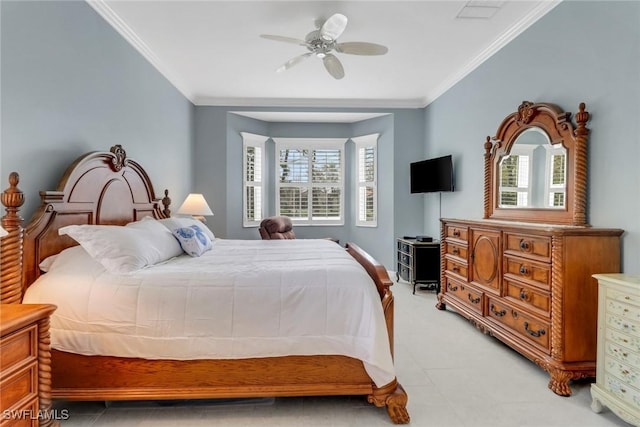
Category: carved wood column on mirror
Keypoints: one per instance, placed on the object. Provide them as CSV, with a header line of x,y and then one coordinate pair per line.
x,y
523,272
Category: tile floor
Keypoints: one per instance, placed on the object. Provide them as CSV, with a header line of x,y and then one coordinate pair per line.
x,y
454,375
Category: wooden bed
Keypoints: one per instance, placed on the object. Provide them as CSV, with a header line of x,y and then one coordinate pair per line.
x,y
109,188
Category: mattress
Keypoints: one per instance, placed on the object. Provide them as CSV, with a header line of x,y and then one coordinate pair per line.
x,y
242,299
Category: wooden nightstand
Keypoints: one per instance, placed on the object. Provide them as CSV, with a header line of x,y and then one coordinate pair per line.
x,y
25,365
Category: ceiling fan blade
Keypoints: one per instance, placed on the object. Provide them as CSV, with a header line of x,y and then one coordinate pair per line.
x,y
361,48
333,66
333,27
284,39
293,61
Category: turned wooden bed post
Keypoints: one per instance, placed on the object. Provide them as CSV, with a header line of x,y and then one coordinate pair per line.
x,y
11,244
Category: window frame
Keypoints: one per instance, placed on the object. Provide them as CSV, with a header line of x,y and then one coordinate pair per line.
x,y
549,187
311,144
256,141
364,142
521,150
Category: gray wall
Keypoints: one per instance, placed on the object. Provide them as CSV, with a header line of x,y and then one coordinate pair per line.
x,y
71,84
580,51
218,176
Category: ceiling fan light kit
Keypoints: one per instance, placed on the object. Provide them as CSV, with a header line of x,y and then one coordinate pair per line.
x,y
323,41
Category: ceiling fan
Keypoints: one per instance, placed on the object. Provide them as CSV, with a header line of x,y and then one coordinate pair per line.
x,y
323,41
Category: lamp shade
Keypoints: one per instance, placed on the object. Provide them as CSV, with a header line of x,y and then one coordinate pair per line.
x,y
196,206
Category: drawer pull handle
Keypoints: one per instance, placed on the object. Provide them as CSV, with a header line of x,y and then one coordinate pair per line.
x,y
451,288
533,333
473,300
524,295
456,269
524,270
496,312
456,233
524,245
455,251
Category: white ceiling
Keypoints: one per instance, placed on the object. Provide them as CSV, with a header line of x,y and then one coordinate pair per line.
x,y
211,50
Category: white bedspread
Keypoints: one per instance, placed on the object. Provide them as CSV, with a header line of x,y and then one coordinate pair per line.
x,y
242,299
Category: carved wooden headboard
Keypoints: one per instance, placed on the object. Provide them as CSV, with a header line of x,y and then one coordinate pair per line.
x,y
97,188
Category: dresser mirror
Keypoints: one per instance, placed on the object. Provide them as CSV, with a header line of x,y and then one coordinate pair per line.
x,y
536,166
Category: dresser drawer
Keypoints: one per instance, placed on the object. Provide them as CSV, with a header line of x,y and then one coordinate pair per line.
x,y
526,326
627,297
24,416
18,348
529,297
623,372
19,386
404,272
404,247
621,354
467,295
456,232
631,342
620,324
529,246
404,258
535,273
456,267
624,310
456,250
622,391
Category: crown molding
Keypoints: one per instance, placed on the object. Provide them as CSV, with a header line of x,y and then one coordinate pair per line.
x,y
103,9
113,19
310,102
505,38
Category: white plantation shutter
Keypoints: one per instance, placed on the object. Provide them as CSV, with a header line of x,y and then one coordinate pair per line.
x,y
366,180
310,186
556,175
253,179
515,173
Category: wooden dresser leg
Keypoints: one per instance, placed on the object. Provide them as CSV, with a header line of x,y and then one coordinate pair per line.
x,y
395,399
559,382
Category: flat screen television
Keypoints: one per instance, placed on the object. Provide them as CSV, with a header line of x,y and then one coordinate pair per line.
x,y
432,175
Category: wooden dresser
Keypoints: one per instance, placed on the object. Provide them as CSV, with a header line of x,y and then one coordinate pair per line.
x,y
618,368
523,273
25,359
530,286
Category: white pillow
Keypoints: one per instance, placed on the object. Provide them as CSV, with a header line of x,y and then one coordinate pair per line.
x,y
47,263
125,249
70,259
193,240
185,221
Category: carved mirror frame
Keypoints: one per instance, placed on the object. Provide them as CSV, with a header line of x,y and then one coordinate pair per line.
x,y
557,126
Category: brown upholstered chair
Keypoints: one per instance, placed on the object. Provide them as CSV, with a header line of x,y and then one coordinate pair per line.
x,y
276,227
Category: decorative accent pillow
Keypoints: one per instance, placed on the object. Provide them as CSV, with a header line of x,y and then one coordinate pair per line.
x,y
185,222
125,249
193,240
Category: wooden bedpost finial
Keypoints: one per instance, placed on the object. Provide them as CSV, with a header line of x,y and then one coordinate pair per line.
x,y
12,199
166,201
11,244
